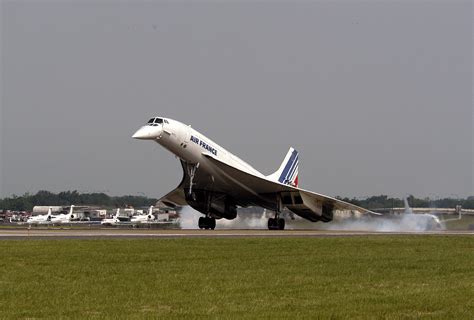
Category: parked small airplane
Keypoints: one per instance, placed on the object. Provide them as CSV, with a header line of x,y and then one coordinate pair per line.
x,y
424,220
144,218
112,221
64,218
215,182
40,219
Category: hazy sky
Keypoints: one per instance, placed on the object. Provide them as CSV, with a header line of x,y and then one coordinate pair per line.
x,y
376,95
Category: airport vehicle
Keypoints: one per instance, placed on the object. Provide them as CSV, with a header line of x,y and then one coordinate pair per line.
x,y
41,219
215,182
144,218
64,218
112,221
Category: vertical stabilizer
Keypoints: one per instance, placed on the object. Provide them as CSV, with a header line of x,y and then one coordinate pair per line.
x,y
70,215
288,171
408,210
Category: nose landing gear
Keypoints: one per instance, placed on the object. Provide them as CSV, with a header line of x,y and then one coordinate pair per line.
x,y
191,169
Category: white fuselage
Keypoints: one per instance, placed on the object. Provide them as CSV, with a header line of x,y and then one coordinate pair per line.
x,y
41,219
189,145
110,221
142,218
63,218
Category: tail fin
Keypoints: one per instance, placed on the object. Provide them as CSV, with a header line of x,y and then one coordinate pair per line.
x,y
117,213
407,206
49,215
288,171
150,210
71,216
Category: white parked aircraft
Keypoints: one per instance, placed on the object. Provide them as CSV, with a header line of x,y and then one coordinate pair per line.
x,y
64,218
41,219
112,221
215,182
144,218
423,220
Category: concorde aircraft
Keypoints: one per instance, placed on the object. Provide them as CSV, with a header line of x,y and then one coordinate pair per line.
x,y
215,182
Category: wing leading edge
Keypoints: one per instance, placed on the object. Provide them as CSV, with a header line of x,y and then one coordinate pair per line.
x,y
259,192
307,204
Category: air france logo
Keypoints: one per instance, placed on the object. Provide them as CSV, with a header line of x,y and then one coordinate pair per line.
x,y
204,145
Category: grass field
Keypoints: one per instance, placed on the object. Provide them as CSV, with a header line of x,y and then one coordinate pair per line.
x,y
382,277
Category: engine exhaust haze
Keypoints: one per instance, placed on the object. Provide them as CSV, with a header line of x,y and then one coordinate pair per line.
x,y
258,220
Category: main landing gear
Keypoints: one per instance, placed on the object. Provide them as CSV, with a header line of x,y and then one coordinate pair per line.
x,y
276,223
207,223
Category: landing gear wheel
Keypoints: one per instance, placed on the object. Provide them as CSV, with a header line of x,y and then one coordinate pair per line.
x,y
281,224
207,223
201,222
270,223
276,224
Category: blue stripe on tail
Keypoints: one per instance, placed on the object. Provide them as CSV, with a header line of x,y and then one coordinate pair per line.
x,y
292,170
289,165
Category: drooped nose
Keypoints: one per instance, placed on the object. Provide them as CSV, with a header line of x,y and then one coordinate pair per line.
x,y
147,132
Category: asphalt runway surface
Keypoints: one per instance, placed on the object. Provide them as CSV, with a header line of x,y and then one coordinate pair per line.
x,y
34,233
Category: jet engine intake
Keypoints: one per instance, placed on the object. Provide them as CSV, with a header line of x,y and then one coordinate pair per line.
x,y
327,213
216,205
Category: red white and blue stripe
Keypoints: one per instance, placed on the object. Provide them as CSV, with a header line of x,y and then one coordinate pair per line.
x,y
289,175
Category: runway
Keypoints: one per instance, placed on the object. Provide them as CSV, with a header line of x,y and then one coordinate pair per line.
x,y
121,233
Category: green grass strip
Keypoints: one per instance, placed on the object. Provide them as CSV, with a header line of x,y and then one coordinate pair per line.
x,y
382,277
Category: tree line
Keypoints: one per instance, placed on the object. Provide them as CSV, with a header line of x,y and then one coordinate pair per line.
x,y
383,201
27,201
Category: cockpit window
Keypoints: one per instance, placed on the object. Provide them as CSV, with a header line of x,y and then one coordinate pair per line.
x,y
154,122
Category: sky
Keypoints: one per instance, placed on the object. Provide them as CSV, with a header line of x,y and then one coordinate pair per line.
x,y
375,95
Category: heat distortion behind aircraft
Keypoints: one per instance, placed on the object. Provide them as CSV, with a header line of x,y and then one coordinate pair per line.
x,y
215,182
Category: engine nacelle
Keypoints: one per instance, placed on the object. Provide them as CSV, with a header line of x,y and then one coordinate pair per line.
x,y
218,205
327,213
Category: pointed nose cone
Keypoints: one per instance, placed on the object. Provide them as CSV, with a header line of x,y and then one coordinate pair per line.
x,y
140,134
147,132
